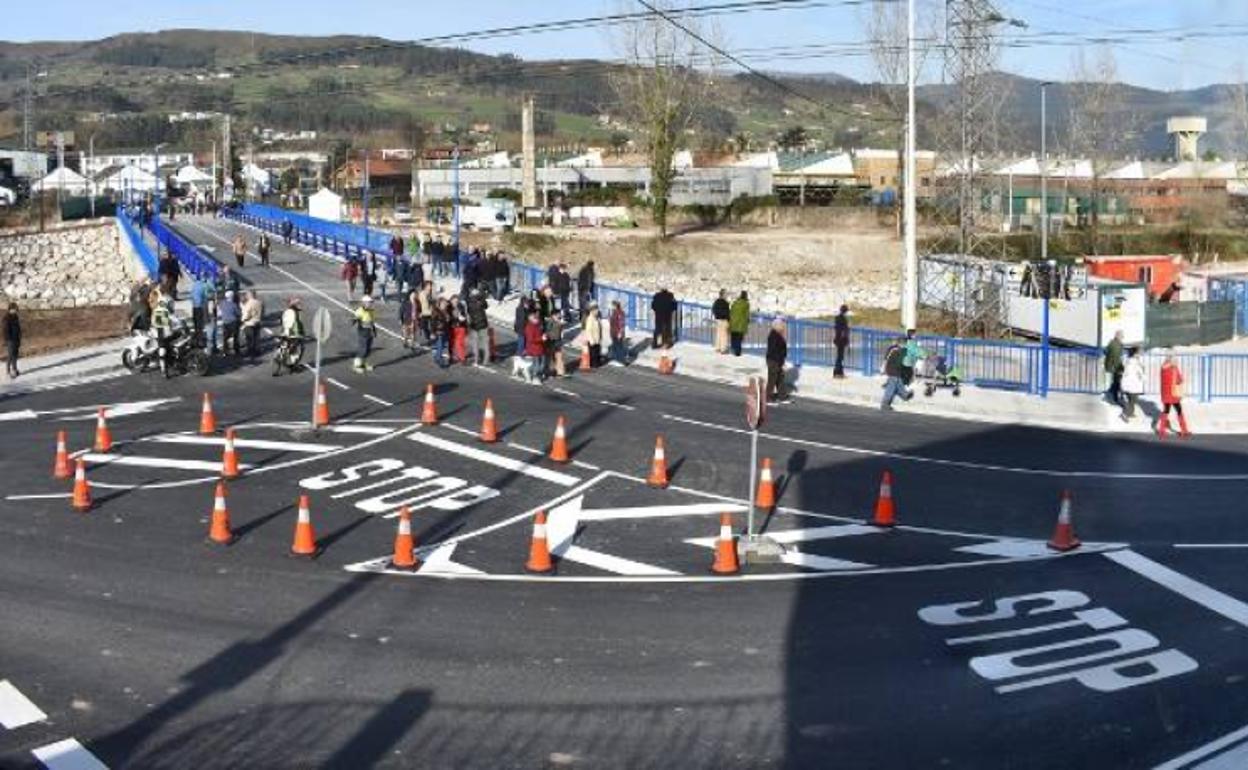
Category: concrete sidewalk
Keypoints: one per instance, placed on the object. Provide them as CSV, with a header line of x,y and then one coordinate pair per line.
x,y
66,367
1065,411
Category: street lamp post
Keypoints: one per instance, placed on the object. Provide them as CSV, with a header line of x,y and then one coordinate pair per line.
x,y
455,204
910,287
1044,171
156,191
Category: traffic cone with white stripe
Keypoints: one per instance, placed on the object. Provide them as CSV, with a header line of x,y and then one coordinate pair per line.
x,y
305,538
429,414
766,497
103,436
885,510
725,548
1064,533
559,447
489,425
585,365
60,468
539,562
658,466
207,420
219,532
404,544
229,457
320,415
82,489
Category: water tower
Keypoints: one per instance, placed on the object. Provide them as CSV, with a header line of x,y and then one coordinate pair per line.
x,y
1186,132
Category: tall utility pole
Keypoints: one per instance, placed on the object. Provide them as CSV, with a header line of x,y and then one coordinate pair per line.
x,y
1044,171
910,284
528,146
26,97
227,184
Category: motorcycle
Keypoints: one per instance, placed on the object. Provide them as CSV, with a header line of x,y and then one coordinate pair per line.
x,y
142,353
288,355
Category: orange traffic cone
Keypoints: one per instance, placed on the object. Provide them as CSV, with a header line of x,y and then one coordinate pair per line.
x,y
429,414
725,548
489,425
658,466
220,531
766,497
305,538
60,469
404,544
103,436
1064,533
559,447
82,490
207,420
320,417
585,365
539,551
229,457
885,511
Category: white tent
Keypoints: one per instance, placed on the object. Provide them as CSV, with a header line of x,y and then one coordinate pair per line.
x,y
325,204
62,179
130,179
256,178
836,165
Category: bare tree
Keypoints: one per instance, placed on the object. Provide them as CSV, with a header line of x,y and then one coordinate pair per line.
x,y
885,24
661,89
1100,126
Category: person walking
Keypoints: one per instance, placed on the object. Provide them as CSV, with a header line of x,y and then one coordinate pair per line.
x,y
840,339
440,325
262,248
1172,391
619,342
739,322
720,311
502,277
288,231
368,273
534,347
240,249
554,345
1132,383
12,340
1113,368
894,386
911,357
664,307
409,312
425,308
200,291
253,315
593,333
586,279
350,272
230,314
365,330
563,288
777,353
478,327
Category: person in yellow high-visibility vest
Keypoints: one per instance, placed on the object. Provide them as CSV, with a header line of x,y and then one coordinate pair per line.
x,y
366,330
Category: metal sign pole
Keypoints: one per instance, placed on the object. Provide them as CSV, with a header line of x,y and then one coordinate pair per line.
x,y
749,529
316,382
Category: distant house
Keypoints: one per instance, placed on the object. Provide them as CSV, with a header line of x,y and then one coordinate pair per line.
x,y
385,177
63,180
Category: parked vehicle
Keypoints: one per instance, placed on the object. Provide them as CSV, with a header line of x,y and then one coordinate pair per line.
x,y
486,219
142,353
403,214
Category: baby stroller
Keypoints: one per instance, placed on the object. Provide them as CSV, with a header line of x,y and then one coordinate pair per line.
x,y
938,373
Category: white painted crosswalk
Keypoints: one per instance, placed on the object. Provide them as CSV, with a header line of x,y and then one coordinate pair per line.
x,y
18,711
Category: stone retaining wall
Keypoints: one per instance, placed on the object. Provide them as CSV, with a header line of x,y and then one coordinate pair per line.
x,y
70,265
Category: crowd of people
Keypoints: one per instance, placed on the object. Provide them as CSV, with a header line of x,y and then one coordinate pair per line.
x,y
1124,370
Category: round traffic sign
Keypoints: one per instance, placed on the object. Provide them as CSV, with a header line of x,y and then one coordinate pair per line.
x,y
755,402
322,325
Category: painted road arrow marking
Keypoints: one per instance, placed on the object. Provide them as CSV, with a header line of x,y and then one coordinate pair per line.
x,y
439,562
89,411
561,527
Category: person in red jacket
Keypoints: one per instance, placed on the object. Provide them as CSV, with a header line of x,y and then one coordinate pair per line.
x,y
1172,397
534,347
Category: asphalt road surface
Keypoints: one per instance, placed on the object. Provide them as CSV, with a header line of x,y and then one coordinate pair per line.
x,y
953,640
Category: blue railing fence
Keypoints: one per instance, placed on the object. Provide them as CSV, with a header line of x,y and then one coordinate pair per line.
x,y
141,249
986,363
194,262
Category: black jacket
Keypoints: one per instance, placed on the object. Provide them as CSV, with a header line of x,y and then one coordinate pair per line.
x,y
840,335
777,348
585,279
892,361
477,319
12,329
663,305
720,310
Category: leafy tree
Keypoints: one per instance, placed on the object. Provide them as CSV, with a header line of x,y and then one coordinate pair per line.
x,y
794,138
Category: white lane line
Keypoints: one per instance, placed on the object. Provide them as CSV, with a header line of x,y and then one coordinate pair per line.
x,y
1201,752
245,443
586,466
16,709
499,461
823,563
57,495
1235,759
376,400
439,560
1211,545
523,448
1211,599
609,563
367,430
68,754
457,429
660,511
139,461
625,407
337,384
1009,548
965,463
567,393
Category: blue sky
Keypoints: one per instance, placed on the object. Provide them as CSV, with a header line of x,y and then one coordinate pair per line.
x,y
1165,64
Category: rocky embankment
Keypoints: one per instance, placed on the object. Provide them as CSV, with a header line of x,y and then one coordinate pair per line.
x,y
68,266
